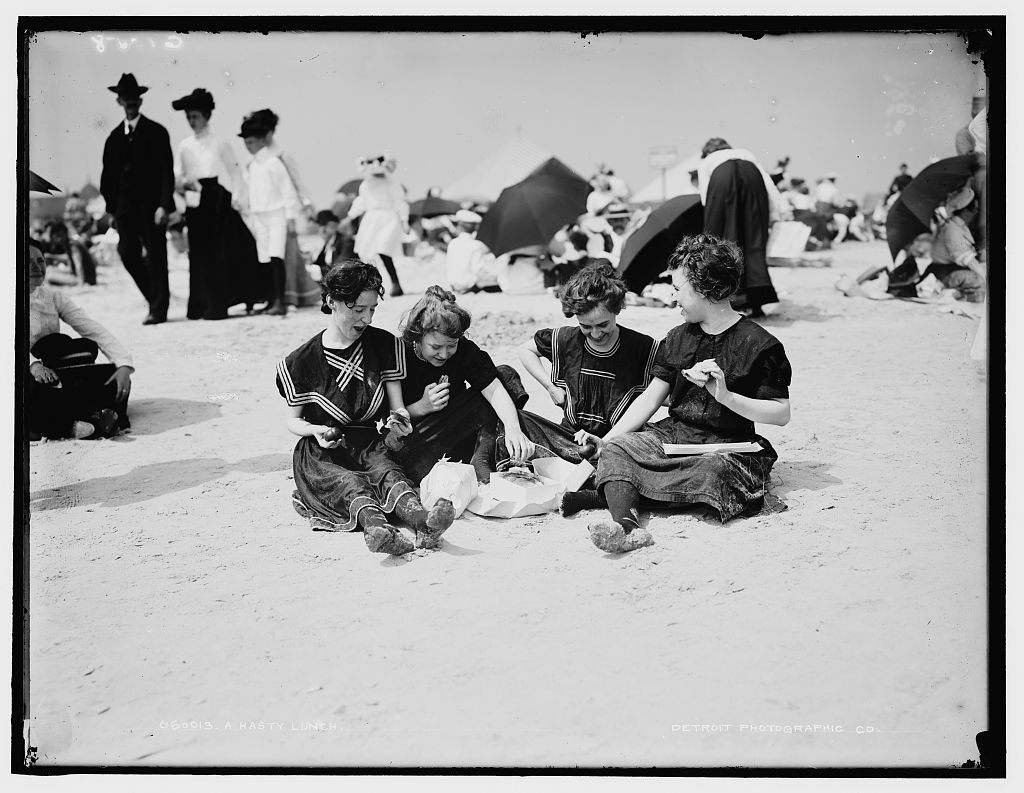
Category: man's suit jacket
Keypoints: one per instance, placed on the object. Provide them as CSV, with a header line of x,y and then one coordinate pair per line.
x,y
145,162
342,250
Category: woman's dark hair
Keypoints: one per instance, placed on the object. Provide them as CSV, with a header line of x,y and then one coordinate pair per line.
x,y
347,280
579,239
594,285
713,267
714,144
436,312
268,118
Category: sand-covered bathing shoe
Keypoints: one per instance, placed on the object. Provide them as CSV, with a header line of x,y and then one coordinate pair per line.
x,y
611,537
387,539
439,519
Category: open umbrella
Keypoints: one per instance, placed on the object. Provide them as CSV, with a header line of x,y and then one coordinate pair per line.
x,y
531,211
40,185
432,206
646,251
914,210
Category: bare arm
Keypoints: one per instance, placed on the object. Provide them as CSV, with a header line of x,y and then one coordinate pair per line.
x,y
870,273
519,446
643,407
764,411
299,426
539,371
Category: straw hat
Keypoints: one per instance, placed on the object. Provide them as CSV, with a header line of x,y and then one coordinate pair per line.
x,y
958,200
467,216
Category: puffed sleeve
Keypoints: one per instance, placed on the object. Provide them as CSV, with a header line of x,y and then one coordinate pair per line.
x,y
391,350
480,370
542,341
666,365
773,372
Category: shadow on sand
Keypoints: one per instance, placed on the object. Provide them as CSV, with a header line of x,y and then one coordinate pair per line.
x,y
151,481
787,313
792,475
153,416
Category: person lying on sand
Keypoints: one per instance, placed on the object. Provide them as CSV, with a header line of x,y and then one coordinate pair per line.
x,y
900,279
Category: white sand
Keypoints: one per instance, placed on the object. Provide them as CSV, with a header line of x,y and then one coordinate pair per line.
x,y
171,582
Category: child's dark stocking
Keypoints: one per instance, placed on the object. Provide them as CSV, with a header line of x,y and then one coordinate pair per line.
x,y
277,276
573,502
483,455
389,265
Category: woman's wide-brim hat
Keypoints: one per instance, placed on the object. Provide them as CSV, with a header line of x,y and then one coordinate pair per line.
x,y
253,127
199,99
128,86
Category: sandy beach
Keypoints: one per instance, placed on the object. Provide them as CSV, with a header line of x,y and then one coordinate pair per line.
x,y
183,614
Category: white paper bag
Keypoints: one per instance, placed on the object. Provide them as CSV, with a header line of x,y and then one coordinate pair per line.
x,y
454,481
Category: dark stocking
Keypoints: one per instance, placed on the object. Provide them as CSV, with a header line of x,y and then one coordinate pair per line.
x,y
623,500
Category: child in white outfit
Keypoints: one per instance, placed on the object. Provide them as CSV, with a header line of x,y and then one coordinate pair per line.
x,y
272,201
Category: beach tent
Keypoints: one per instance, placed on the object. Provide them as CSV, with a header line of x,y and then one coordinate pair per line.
x,y
506,166
88,192
677,182
555,167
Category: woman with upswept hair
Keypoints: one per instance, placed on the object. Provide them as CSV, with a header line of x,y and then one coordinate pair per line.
x,y
721,373
339,387
592,370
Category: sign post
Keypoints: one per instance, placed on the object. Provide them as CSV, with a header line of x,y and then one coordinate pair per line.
x,y
663,157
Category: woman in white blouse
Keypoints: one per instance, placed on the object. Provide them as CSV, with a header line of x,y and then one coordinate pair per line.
x,y
222,252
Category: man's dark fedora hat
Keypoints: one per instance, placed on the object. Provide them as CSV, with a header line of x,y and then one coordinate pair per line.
x,y
128,86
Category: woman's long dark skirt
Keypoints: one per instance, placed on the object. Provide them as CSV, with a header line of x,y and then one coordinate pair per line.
x,y
737,210
222,262
730,483
334,485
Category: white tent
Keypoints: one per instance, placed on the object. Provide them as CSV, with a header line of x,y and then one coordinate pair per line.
x,y
677,182
509,164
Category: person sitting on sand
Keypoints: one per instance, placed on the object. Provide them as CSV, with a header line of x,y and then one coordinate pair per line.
x,y
900,279
454,393
339,386
722,372
68,394
955,255
592,370
469,264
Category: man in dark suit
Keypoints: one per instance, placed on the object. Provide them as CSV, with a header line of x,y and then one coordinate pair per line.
x,y
138,185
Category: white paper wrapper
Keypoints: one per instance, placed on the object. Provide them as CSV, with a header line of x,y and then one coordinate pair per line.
x,y
509,499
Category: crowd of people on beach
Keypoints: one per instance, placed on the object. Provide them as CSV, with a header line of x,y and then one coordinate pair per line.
x,y
376,410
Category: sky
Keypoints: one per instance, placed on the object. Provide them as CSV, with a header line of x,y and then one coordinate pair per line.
x,y
854,103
